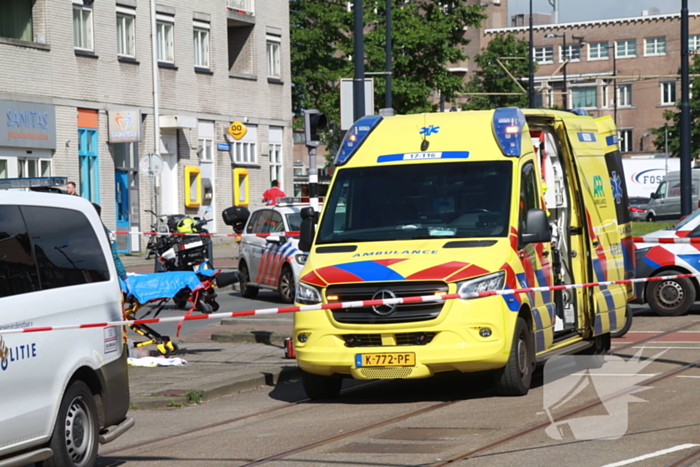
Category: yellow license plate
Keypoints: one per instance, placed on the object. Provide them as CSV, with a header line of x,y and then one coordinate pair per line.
x,y
385,359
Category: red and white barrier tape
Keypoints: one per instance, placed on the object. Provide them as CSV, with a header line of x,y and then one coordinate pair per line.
x,y
666,240
294,233
332,306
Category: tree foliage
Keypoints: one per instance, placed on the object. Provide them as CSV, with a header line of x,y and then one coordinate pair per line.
x,y
673,120
491,77
426,37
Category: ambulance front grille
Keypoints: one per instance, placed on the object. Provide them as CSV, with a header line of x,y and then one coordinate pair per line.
x,y
375,340
386,373
403,313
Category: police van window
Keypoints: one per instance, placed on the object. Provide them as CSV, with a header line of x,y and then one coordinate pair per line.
x,y
294,221
529,198
276,223
66,248
251,223
266,223
661,190
18,271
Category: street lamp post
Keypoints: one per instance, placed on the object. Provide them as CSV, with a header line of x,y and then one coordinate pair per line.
x,y
565,54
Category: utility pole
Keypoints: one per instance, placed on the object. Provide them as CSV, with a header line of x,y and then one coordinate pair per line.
x,y
686,193
387,51
358,88
531,74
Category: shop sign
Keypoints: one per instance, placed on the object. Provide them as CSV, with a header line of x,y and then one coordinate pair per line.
x,y
28,125
124,126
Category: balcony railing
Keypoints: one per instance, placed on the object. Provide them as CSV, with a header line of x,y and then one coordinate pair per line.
x,y
242,6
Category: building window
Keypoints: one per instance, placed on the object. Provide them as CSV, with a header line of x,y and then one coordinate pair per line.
x,y
584,97
694,42
29,168
624,95
89,174
668,93
82,27
625,140
3,168
126,43
654,46
273,56
598,51
201,44
625,48
275,162
572,52
244,152
16,19
164,36
544,54
207,150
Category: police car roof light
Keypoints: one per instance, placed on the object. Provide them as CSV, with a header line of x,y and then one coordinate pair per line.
x,y
508,123
296,200
14,183
355,136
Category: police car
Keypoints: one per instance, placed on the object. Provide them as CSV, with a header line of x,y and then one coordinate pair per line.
x,y
272,262
672,297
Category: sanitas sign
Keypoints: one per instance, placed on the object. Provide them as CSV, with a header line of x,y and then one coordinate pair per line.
x,y
28,125
124,126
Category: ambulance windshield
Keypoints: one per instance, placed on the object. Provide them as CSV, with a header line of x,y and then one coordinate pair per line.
x,y
418,201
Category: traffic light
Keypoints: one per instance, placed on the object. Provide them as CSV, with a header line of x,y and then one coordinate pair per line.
x,y
313,122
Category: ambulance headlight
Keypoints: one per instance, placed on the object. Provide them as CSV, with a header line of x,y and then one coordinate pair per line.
x,y
485,283
307,294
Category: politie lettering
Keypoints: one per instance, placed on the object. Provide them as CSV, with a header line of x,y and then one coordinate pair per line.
x,y
27,119
19,352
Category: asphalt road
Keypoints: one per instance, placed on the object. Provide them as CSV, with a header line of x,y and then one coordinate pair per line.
x,y
379,423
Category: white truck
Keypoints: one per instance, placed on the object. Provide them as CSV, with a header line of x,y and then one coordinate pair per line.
x,y
643,174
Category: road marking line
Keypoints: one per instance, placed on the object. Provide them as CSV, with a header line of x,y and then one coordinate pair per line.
x,y
610,374
647,347
653,454
686,376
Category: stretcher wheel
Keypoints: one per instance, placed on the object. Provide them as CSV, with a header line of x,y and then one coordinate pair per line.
x,y
167,348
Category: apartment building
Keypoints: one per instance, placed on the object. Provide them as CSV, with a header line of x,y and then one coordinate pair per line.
x,y
627,68
86,91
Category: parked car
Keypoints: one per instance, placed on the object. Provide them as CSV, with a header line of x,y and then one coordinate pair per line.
x,y
665,202
638,208
672,297
274,261
64,392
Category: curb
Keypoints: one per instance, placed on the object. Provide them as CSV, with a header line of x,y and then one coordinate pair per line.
x,y
258,337
258,322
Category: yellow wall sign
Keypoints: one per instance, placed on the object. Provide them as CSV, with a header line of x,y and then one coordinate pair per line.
x,y
237,130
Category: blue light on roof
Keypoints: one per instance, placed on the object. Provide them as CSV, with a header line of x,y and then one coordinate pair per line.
x,y
508,123
355,136
581,112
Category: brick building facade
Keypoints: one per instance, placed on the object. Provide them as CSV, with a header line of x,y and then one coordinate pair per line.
x,y
77,88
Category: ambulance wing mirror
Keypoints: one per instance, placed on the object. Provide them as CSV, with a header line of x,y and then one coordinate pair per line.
x,y
537,228
307,228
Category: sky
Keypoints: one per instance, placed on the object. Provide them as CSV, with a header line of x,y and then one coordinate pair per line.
x,y
577,10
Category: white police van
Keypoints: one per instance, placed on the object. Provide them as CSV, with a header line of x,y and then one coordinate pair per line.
x,y
64,392
272,262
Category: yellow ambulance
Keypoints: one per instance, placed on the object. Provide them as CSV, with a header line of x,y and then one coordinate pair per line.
x,y
459,202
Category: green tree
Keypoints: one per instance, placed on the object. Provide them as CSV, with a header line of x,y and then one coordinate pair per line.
x,y
673,120
426,37
492,78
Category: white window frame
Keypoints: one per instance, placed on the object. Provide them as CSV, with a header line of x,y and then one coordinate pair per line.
x,y
598,51
694,42
543,54
627,51
624,139
126,31
200,33
245,152
207,146
83,37
573,52
573,89
624,95
165,30
273,50
39,165
654,46
668,87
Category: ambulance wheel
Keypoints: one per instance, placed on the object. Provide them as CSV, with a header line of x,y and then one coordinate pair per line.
x,y
246,290
625,326
321,387
514,379
285,286
74,439
670,297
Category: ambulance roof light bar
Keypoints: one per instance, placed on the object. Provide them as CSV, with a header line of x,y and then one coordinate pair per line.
x,y
18,183
355,136
508,123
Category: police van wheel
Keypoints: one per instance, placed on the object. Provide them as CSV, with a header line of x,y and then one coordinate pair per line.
x,y
285,286
321,387
74,439
625,326
514,379
246,290
671,297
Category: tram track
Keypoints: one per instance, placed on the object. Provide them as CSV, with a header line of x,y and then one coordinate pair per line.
x,y
452,459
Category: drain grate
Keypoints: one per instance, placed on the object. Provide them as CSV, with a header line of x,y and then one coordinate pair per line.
x,y
436,434
370,448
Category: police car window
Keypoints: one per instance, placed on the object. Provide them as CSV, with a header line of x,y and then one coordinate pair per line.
x,y
18,271
294,221
266,225
276,223
66,248
252,222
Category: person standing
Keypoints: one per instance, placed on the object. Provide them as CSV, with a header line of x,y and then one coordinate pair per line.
x,y
271,194
70,189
